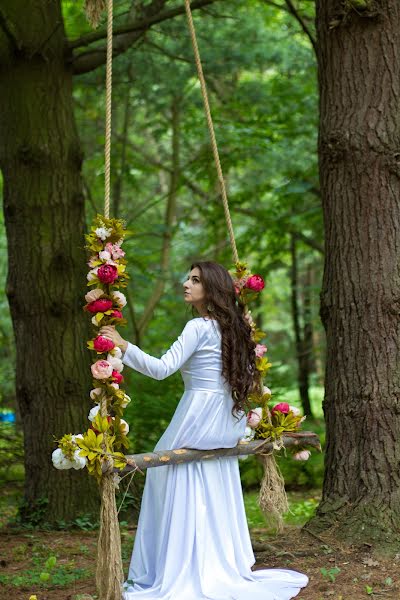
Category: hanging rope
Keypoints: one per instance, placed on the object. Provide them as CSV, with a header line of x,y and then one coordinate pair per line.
x,y
107,147
211,130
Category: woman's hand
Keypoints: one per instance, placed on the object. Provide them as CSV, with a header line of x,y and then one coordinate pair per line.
x,y
109,332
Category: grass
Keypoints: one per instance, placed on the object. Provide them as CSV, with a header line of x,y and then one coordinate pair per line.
x,y
301,508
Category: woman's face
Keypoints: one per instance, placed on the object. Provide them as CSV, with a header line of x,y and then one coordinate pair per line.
x,y
193,289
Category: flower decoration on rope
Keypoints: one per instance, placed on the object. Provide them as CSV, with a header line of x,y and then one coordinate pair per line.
x,y
100,448
263,422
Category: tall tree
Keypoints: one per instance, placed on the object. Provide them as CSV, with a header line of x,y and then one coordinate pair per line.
x,y
40,158
359,78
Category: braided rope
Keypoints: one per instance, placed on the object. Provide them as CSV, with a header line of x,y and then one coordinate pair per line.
x,y
107,147
211,130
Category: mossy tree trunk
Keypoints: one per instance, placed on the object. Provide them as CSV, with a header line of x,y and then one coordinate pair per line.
x,y
359,76
40,158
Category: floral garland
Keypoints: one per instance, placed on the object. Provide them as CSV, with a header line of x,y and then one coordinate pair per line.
x,y
102,443
263,422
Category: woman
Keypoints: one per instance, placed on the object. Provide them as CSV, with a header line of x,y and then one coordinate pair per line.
x,y
192,541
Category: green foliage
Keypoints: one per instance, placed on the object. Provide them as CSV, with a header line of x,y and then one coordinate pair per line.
x,y
330,573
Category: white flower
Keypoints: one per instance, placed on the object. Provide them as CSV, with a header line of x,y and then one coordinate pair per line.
x,y
93,412
77,436
103,233
249,434
116,351
266,390
92,262
104,255
94,295
60,461
95,393
79,462
125,401
115,385
92,274
116,363
296,411
124,427
94,322
302,455
119,298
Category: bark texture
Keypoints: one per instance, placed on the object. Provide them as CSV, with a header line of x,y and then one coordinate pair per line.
x,y
359,77
40,158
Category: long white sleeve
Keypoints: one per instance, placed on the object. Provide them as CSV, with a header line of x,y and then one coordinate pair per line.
x,y
160,368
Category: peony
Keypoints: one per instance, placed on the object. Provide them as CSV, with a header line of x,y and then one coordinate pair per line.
x,y
95,393
254,417
125,401
260,350
101,369
104,255
282,407
119,298
255,283
79,461
102,344
117,314
103,233
115,251
124,427
302,455
296,411
99,305
267,391
60,461
92,274
116,363
93,412
117,377
107,273
94,295
248,435
117,352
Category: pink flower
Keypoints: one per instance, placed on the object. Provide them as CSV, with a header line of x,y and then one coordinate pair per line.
x,y
237,289
255,283
107,273
117,314
117,377
102,344
254,417
99,306
282,407
101,369
94,295
302,455
115,251
260,350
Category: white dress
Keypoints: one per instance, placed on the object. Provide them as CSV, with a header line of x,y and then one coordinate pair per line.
x,y
192,541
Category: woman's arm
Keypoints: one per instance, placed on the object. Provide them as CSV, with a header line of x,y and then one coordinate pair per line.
x,y
160,368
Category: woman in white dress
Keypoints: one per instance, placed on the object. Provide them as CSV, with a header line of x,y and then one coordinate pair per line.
x,y
192,541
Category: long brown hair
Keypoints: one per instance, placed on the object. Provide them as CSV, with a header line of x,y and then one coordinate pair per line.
x,y
237,346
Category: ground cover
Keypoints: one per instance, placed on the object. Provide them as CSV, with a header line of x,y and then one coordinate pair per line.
x,y
59,565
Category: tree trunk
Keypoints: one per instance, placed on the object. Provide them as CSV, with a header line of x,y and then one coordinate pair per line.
x,y
40,158
302,343
359,76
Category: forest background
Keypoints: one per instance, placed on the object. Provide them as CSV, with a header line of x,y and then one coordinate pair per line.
x,y
261,69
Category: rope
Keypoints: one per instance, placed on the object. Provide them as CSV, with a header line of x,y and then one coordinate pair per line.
x,y
107,147
211,130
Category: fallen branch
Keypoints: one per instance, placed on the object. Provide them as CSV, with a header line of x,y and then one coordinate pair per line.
x,y
161,458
